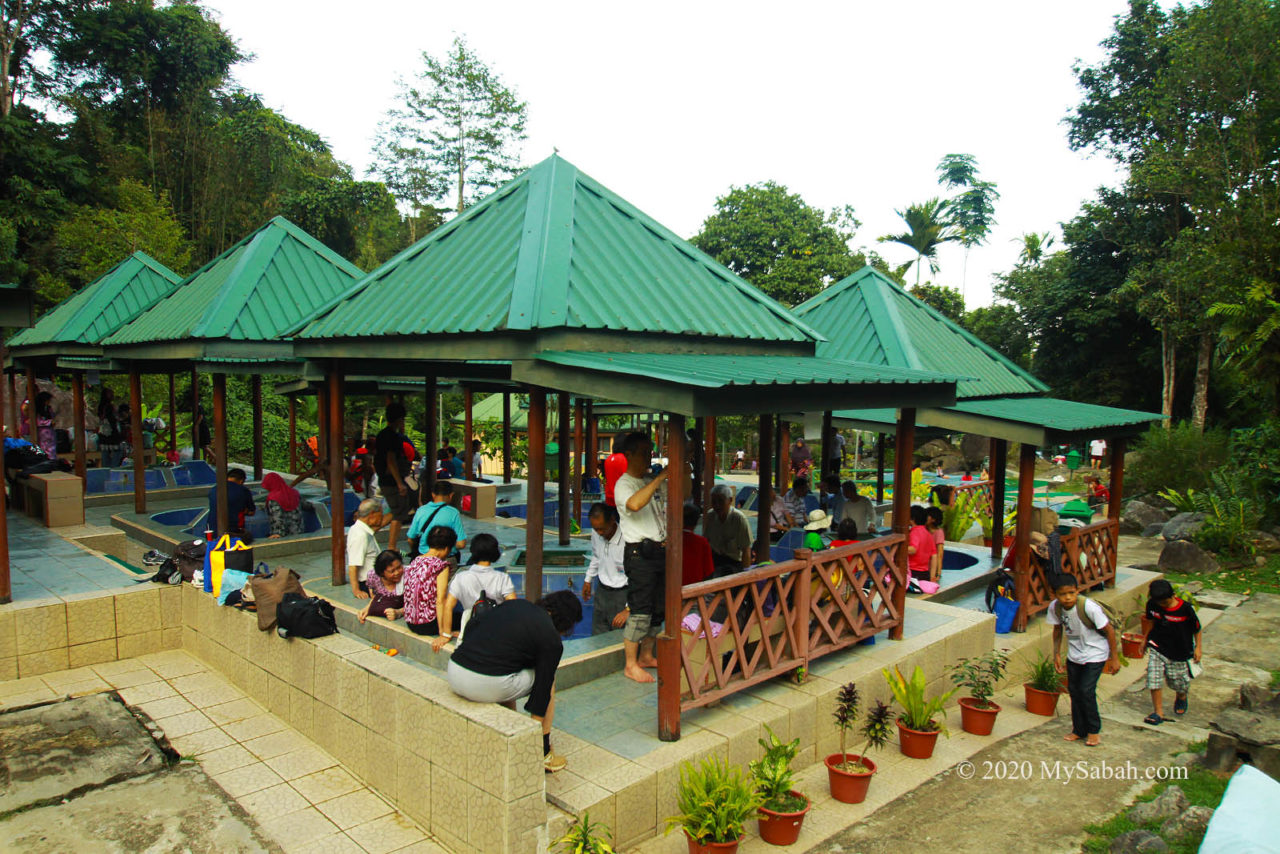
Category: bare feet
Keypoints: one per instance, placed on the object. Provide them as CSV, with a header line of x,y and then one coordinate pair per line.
x,y
1093,740
1071,736
647,661
637,674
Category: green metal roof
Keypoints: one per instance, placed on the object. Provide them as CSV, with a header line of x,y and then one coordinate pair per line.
x,y
1064,416
868,317
489,410
100,308
267,285
555,249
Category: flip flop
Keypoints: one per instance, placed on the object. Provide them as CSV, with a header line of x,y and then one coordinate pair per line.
x,y
1180,706
1153,719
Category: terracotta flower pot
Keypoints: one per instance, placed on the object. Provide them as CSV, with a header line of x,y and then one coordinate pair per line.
x,y
986,541
1131,645
782,828
1042,702
977,719
696,847
849,787
914,743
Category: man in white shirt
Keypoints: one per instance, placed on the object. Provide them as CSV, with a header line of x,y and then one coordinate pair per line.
x,y
606,574
362,546
1097,451
642,506
858,508
727,530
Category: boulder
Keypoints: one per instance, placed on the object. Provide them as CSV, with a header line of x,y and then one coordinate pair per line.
x,y
1189,821
1138,515
974,449
1186,556
1153,530
1219,600
1183,526
1167,804
1263,542
1260,727
1137,840
1255,697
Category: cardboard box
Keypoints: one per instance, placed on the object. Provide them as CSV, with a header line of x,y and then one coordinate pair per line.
x,y
58,484
484,498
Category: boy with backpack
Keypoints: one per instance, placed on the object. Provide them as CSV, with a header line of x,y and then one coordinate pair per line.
x,y
1171,641
1091,648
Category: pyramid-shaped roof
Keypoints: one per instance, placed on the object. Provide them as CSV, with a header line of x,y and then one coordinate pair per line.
x,y
555,249
270,283
104,305
868,317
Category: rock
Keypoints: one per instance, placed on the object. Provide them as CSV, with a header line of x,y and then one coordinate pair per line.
x,y
1193,587
1153,530
1168,804
1183,526
1221,753
1264,542
1186,556
1137,840
1252,727
1255,697
1138,515
974,449
1189,821
1219,600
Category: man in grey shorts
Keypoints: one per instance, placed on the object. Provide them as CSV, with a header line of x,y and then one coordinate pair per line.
x,y
642,509
606,575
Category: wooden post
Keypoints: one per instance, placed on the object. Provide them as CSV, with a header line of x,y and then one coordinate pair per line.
x,y
709,460
880,468
828,440
336,435
1022,535
255,395
431,436
1114,505
506,437
592,448
903,448
322,424
468,426
578,457
223,514
135,434
999,463
562,464
196,450
535,493
77,403
31,407
293,434
784,455
669,640
763,484
173,416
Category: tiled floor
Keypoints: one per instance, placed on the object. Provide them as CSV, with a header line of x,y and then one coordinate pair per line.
x,y
44,564
300,796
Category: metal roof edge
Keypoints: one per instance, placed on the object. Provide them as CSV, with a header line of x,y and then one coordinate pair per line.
x,y
239,283
832,291
317,246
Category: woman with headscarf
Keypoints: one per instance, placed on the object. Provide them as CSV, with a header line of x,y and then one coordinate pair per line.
x,y
284,510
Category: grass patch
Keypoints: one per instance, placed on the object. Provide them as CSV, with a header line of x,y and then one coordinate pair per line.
x,y
1243,579
1275,680
1202,787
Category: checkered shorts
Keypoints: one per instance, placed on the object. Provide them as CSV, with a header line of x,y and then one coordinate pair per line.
x,y
1161,669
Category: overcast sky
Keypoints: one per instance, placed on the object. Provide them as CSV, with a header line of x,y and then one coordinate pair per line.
x,y
669,104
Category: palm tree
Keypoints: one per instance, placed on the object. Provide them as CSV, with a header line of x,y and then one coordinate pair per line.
x,y
928,227
1034,246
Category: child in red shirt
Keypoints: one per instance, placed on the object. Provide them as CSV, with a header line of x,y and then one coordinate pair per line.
x,y
920,546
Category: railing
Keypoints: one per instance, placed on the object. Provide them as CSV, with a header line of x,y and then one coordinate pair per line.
x,y
981,491
768,621
1088,553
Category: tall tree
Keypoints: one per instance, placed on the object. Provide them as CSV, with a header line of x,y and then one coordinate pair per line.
x,y
772,238
1000,327
948,301
929,226
456,134
1034,246
973,209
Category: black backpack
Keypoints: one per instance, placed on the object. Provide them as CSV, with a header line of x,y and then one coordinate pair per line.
x,y
483,605
168,572
1001,586
305,617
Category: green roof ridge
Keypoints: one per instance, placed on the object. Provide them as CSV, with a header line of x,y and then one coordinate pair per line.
x,y
547,244
217,320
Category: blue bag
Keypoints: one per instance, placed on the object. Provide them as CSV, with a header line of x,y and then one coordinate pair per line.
x,y
1006,609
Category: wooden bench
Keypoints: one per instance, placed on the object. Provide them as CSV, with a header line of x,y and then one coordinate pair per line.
x,y
56,499
484,498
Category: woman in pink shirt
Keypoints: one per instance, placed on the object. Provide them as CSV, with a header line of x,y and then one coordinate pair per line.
x,y
920,547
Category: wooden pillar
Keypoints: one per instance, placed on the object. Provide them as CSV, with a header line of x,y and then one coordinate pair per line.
x,y
335,435
579,457
592,447
903,447
784,454
468,432
173,415
322,423
138,451
78,415
196,451
562,428
506,437
999,463
431,435
255,394
669,640
828,440
1022,535
293,434
535,493
31,407
709,460
695,457
6,585
880,468
763,484
219,413
1114,506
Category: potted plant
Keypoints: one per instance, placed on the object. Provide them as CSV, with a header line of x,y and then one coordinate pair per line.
x,y
715,802
1132,644
782,808
849,774
918,726
585,836
1043,686
980,675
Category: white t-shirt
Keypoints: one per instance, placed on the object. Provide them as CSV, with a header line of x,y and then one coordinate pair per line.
x,y
362,549
861,511
647,523
606,560
466,584
1084,646
1097,448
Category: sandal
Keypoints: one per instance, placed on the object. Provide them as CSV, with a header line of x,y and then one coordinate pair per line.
x,y
1180,706
1153,719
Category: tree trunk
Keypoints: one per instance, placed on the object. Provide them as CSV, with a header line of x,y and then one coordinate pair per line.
x,y
1168,364
1200,400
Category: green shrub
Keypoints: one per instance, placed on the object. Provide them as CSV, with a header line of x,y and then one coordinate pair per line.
x,y
1179,458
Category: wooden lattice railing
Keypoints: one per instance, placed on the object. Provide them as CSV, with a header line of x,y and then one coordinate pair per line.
x,y
768,621
981,490
1088,553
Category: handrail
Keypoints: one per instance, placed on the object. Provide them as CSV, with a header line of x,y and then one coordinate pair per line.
x,y
1088,553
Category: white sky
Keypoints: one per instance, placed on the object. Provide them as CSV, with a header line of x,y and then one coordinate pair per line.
x,y
668,104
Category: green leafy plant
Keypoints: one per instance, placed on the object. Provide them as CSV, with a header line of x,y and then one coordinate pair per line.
x,y
585,836
846,712
919,712
959,517
1043,676
773,776
715,801
980,675
986,520
1183,502
876,728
